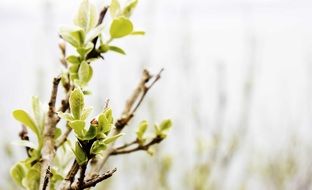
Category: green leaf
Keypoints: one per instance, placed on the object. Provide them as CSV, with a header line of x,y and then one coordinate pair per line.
x,y
112,139
81,156
141,130
74,68
138,33
65,116
91,133
32,179
117,49
38,112
97,147
165,125
83,51
120,27
127,11
87,16
24,118
163,128
17,173
85,72
76,102
25,143
114,8
73,59
73,35
86,112
105,121
94,33
79,127
104,48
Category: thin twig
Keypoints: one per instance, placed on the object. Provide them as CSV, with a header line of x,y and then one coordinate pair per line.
x,y
46,179
24,136
138,95
64,137
70,177
83,169
48,151
93,181
62,47
138,148
126,145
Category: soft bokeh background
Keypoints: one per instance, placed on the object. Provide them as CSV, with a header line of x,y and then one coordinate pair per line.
x,y
237,85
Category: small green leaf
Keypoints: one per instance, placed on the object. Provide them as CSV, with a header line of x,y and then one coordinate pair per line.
x,y
87,16
114,8
141,130
163,128
83,51
73,35
127,11
38,112
17,173
105,121
74,68
138,33
81,156
73,59
85,72
76,102
120,27
24,118
66,116
104,48
97,147
86,112
112,139
91,133
165,125
32,179
79,127
117,49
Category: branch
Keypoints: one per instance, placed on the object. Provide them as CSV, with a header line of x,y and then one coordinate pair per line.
x,y
70,177
130,108
137,97
64,137
126,145
48,151
46,178
93,181
83,169
145,147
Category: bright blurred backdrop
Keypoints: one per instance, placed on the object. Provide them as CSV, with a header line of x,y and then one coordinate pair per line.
x,y
237,85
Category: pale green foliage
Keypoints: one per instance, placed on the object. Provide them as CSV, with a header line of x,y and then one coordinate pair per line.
x,y
23,117
82,36
90,39
18,173
120,27
163,128
87,16
76,103
141,130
